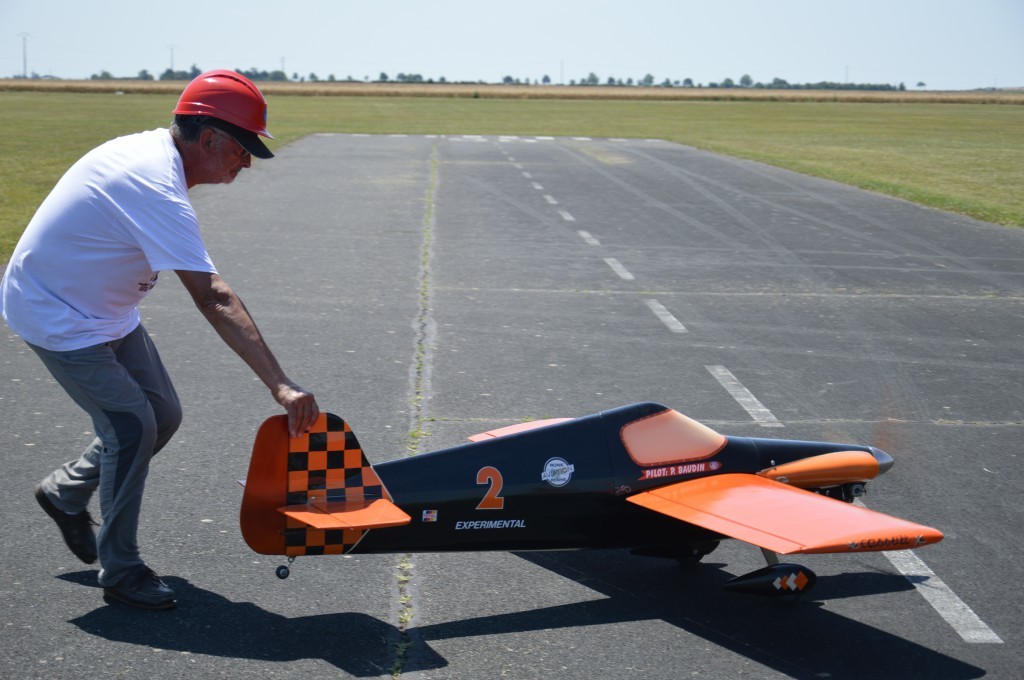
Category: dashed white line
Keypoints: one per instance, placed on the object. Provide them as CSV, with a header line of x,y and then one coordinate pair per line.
x,y
550,199
619,269
537,186
761,415
942,598
588,238
666,316
566,216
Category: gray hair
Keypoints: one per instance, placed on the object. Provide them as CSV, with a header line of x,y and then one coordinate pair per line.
x,y
189,127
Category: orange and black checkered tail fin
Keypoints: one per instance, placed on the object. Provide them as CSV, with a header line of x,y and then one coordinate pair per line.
x,y
312,495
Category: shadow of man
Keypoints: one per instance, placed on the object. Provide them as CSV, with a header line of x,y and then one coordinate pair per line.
x,y
358,644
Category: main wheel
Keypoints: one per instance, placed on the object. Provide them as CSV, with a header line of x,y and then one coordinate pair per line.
x,y
693,553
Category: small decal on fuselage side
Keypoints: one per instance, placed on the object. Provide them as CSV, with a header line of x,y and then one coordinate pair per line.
x,y
678,470
430,515
475,524
557,472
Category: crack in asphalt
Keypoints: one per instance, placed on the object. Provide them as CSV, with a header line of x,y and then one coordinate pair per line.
x,y
425,332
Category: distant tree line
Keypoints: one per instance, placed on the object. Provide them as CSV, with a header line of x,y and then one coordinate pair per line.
x,y
591,80
744,82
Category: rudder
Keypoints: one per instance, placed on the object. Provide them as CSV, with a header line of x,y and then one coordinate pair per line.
x,y
325,465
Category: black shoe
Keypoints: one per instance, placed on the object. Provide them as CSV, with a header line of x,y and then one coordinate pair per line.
x,y
141,587
76,529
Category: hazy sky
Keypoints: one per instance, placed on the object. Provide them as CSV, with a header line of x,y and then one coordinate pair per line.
x,y
947,44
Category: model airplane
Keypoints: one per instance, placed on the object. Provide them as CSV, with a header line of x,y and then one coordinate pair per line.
x,y
643,477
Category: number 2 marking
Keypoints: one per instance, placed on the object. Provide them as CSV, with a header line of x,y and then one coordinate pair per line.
x,y
492,500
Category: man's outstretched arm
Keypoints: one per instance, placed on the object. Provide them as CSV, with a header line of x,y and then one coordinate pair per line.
x,y
228,315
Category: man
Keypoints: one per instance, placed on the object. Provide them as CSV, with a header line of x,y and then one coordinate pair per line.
x,y
92,252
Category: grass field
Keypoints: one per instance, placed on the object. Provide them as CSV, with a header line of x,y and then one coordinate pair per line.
x,y
965,157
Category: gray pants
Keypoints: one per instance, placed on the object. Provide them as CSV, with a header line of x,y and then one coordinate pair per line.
x,y
135,411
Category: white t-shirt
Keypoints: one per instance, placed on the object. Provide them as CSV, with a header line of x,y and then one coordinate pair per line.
x,y
92,251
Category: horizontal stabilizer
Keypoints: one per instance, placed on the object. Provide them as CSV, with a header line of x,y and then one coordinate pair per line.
x,y
515,429
782,518
375,514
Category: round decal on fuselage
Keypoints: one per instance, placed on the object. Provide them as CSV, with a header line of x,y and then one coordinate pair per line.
x,y
557,472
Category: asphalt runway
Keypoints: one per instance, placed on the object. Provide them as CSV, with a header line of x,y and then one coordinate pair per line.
x,y
450,285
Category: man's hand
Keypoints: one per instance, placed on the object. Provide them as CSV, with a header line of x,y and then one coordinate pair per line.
x,y
301,407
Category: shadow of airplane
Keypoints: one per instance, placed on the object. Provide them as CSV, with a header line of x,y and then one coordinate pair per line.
x,y
805,641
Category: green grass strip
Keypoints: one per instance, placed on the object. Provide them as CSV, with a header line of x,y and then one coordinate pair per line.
x,y
966,158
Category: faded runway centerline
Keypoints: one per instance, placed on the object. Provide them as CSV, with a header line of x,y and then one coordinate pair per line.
x,y
619,269
666,316
761,415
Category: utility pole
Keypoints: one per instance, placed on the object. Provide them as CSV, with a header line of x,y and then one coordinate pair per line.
x,y
24,54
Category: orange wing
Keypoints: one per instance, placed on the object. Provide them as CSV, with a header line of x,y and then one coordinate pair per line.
x,y
782,518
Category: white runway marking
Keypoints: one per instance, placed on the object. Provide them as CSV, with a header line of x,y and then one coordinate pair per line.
x,y
566,216
537,185
942,598
588,239
666,316
761,415
619,269
550,199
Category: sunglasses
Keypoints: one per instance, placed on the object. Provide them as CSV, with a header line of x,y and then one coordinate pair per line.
x,y
241,152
